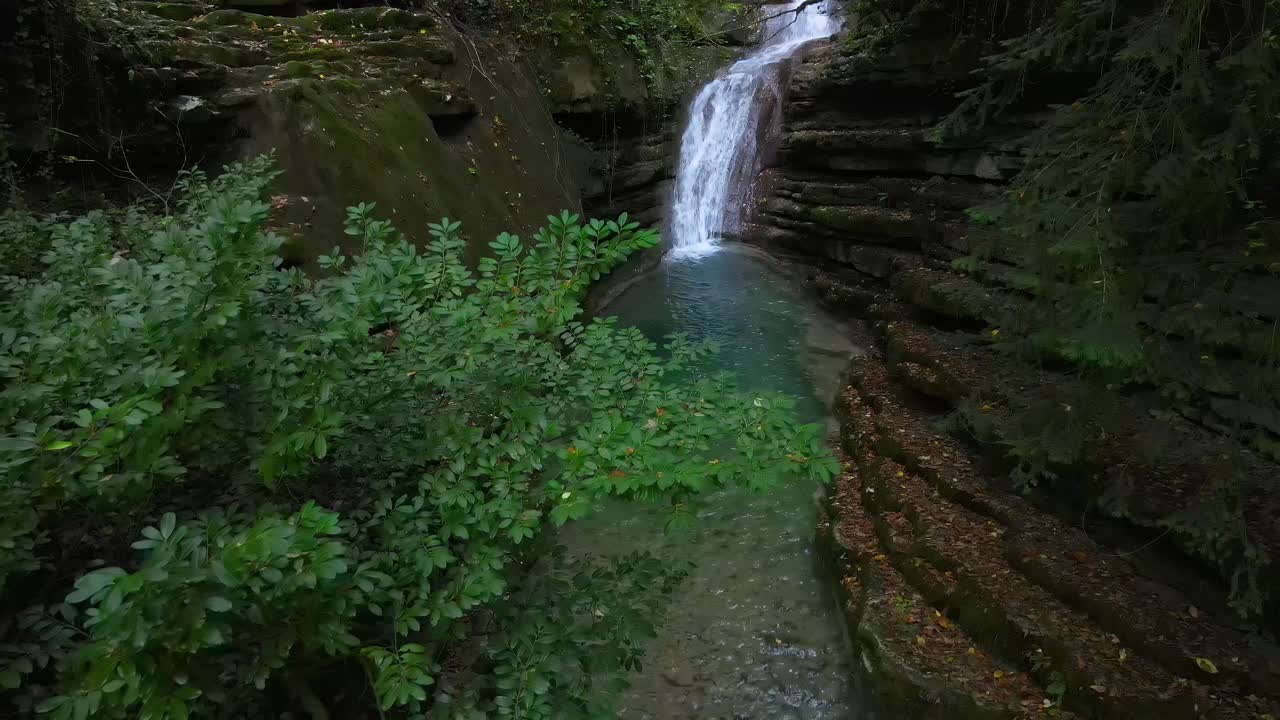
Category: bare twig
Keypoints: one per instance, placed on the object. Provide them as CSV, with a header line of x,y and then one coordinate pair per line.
x,y
760,21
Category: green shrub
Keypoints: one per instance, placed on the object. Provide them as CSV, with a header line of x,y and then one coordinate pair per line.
x,y
344,472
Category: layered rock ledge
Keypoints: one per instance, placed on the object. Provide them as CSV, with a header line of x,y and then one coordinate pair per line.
x,y
969,592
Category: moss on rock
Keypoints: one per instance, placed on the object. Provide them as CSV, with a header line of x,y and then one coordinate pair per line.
x,y
874,223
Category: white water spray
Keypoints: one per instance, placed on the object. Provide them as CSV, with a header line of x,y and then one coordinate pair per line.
x,y
718,151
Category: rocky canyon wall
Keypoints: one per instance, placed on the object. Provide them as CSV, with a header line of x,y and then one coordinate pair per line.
x,y
973,589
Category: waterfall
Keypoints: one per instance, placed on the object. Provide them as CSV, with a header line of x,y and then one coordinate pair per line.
x,y
718,151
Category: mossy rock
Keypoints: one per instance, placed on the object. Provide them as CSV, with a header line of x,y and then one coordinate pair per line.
x,y
442,100
839,295
865,222
429,49
581,83
230,18
422,151
202,54
685,68
323,52
171,10
297,69
947,296
363,19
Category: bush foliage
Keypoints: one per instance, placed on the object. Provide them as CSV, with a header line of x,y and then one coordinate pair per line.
x,y
342,477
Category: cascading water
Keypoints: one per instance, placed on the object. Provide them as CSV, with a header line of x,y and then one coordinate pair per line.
x,y
718,151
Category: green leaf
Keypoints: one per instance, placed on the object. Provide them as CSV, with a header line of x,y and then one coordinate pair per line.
x,y
89,585
51,704
168,522
1207,665
217,603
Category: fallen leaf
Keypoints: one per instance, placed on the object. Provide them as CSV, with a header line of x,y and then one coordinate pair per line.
x,y
1207,665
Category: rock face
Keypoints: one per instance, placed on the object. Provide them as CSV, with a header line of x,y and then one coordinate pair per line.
x,y
380,104
1095,596
369,104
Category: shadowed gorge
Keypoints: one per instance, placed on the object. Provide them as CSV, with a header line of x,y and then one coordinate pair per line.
x,y
642,359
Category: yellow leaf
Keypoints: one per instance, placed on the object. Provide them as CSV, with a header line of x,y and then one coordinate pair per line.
x,y
1207,666
920,640
997,674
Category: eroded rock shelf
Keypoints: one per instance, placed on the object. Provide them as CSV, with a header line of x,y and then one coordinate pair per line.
x,y
964,597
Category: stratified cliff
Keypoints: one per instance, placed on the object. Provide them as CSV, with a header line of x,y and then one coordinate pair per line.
x,y
974,589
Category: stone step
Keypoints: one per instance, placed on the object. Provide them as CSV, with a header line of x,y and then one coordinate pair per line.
x,y
905,436
1156,620
1051,575
1006,611
913,659
912,349
896,152
951,198
949,295
1153,464
860,223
